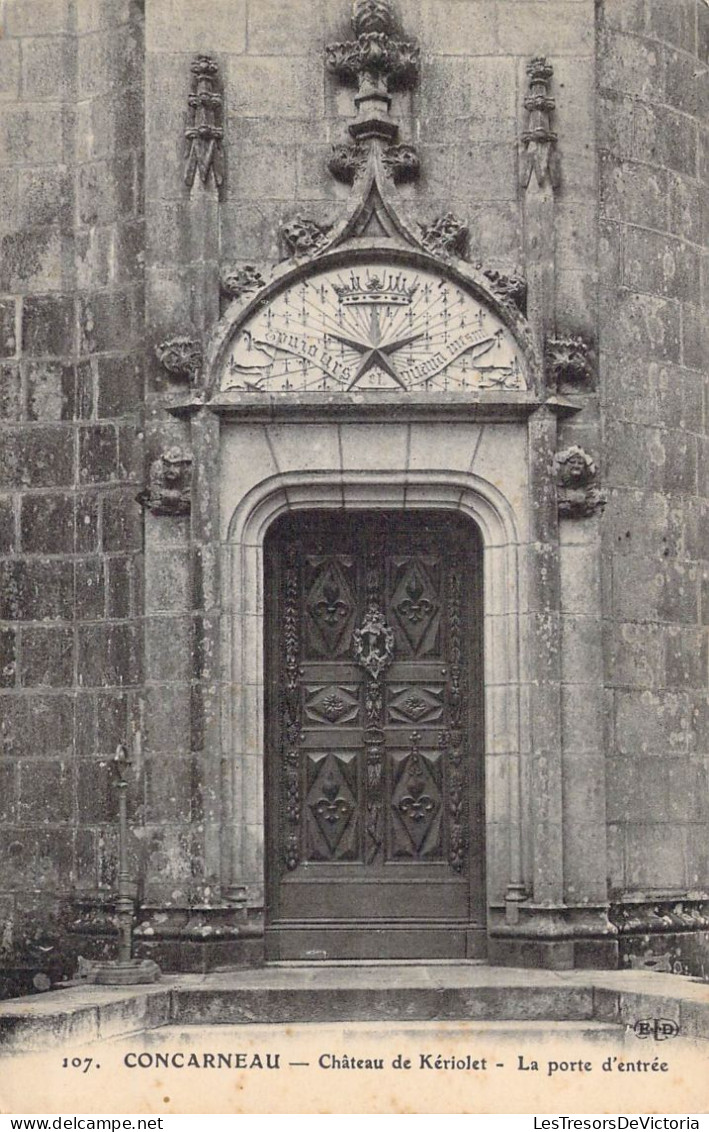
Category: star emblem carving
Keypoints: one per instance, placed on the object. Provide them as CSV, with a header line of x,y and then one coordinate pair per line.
x,y
375,352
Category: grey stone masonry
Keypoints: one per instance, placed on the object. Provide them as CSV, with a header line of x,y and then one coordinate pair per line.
x,y
654,352
159,164
71,317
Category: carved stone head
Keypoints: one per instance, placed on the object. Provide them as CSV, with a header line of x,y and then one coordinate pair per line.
x,y
169,483
575,467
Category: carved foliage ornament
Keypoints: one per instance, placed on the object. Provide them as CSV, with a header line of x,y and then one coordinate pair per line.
x,y
374,53
510,288
401,162
181,357
570,360
372,16
204,134
304,236
169,484
578,493
291,708
238,281
446,236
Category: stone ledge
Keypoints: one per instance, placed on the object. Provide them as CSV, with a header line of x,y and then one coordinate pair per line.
x,y
354,992
78,1015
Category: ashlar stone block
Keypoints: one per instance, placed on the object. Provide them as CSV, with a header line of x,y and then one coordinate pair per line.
x,y
263,85
460,29
653,859
9,69
547,27
197,27
652,723
660,265
36,17
11,398
295,28
631,65
48,68
633,192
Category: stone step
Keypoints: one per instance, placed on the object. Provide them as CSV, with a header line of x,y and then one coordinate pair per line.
x,y
355,993
374,1000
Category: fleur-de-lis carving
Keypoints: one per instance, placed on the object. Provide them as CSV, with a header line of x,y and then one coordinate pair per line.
x,y
416,807
331,808
415,607
330,608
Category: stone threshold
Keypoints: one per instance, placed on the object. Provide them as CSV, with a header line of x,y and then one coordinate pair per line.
x,y
81,1014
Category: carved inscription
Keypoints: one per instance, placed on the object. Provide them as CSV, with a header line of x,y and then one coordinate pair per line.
x,y
371,328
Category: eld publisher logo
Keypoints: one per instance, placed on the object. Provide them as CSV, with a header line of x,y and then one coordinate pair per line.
x,y
658,1028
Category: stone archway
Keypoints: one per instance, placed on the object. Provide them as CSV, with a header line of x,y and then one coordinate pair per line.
x,y
247,519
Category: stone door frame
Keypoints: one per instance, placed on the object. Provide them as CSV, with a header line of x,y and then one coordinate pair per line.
x,y
504,664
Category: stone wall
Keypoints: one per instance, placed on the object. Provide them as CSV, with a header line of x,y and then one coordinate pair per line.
x,y
71,267
95,649
282,113
654,206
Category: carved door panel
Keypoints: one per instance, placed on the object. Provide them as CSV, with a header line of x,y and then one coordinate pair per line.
x,y
374,787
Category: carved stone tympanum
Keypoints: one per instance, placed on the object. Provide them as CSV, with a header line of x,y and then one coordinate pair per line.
x,y
373,326
578,493
169,484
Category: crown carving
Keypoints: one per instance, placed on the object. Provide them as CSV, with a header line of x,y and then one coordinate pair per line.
x,y
390,289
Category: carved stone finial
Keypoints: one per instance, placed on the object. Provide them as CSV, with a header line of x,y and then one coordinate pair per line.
x,y
204,133
239,281
304,237
539,140
374,58
372,16
377,64
181,357
578,495
511,288
169,484
446,235
569,360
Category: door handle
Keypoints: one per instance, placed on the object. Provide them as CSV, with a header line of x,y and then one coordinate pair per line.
x,y
373,642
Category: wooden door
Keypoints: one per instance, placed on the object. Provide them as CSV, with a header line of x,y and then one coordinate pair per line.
x,y
374,761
